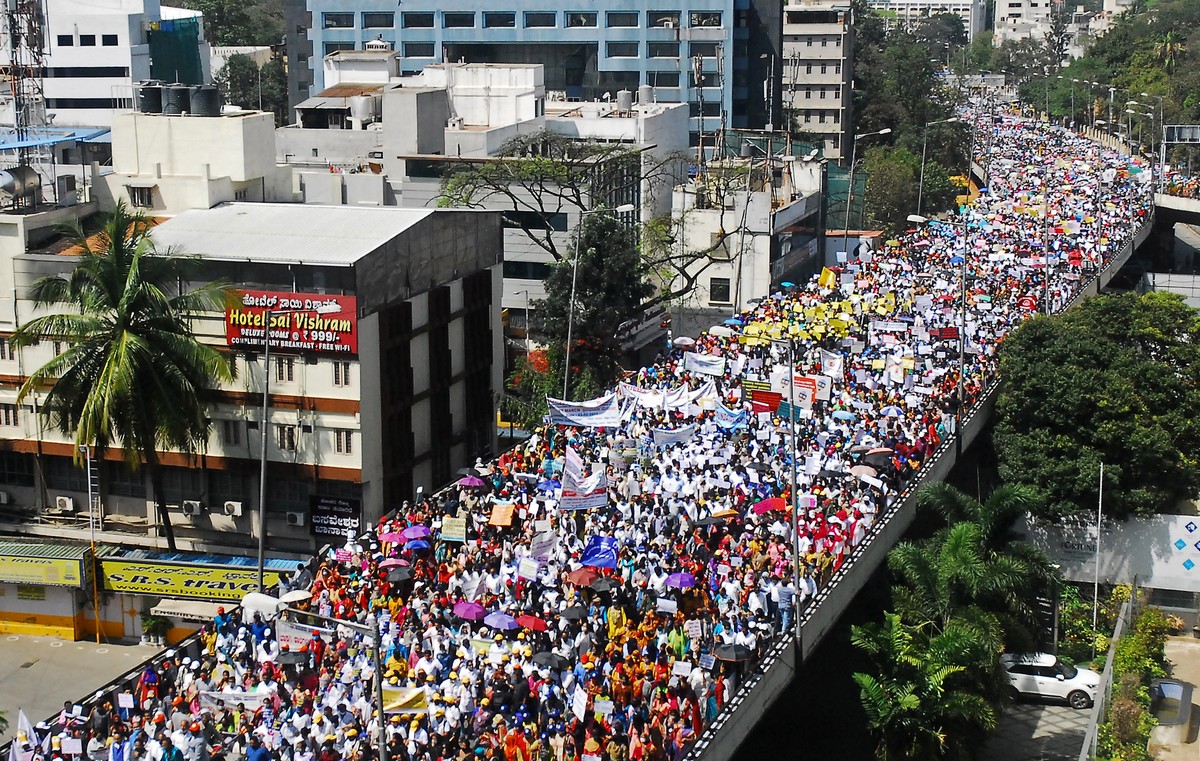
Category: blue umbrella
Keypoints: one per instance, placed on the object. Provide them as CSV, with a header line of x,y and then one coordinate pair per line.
x,y
549,485
843,415
733,321
956,259
892,411
786,284
498,620
416,544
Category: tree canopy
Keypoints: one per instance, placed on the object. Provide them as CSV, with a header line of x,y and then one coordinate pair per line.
x,y
1115,380
132,374
235,22
243,83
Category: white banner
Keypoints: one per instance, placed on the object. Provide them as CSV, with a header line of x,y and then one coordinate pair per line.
x,y
296,636
664,437
252,700
642,397
603,412
705,364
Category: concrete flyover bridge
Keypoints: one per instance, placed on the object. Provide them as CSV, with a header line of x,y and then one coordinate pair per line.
x,y
1024,156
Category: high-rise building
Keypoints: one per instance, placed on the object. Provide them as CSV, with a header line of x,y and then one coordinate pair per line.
x,y
907,12
718,56
818,72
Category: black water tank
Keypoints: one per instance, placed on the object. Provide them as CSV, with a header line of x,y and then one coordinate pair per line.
x,y
150,97
205,101
176,99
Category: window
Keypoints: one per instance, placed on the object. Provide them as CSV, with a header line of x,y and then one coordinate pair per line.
x,y
285,437
416,20
239,195
662,19
808,93
335,47
122,481
338,20
581,19
458,20
7,350
824,68
58,348
108,40
620,19
142,198
664,78
285,369
526,270
622,50
532,220
341,373
8,415
540,20
824,42
808,68
418,50
808,42
499,20
62,474
706,80
231,432
719,290
344,442
378,20
65,40
87,40
704,49
704,18
226,485
16,468
663,49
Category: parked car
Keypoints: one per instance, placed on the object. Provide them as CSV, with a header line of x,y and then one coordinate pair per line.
x,y
1043,675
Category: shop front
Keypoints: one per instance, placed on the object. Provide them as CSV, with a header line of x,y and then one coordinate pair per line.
x,y
44,588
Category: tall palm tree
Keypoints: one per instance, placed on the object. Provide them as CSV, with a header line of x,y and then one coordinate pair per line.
x,y
916,705
1169,48
133,374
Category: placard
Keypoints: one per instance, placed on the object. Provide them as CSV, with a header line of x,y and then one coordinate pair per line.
x,y
579,703
542,545
707,662
527,569
682,668
542,526
666,605
693,628
603,707
124,700
334,516
502,515
454,529
72,746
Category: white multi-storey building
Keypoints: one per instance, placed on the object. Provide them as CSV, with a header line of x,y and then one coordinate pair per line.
x,y
94,50
818,71
908,12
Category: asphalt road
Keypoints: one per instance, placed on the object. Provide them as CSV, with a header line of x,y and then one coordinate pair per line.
x,y
1036,731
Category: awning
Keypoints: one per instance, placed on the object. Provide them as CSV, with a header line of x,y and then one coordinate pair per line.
x,y
187,610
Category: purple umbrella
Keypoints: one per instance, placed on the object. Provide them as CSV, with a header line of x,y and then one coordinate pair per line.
x,y
681,580
391,537
471,611
416,532
472,482
502,621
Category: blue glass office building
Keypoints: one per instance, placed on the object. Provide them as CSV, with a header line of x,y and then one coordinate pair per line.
x,y
588,49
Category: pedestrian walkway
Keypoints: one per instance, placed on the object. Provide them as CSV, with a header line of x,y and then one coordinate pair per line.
x,y
1033,731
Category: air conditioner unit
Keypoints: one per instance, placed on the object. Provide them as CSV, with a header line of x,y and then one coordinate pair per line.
x,y
192,507
233,508
295,519
64,503
3,498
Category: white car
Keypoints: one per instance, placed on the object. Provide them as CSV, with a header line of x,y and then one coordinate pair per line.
x,y
1044,675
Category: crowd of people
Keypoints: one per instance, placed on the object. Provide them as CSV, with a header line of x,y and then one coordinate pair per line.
x,y
520,618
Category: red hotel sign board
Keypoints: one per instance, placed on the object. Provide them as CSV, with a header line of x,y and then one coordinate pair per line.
x,y
334,332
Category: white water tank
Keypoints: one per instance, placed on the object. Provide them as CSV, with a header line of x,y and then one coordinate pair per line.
x,y
362,109
624,101
646,95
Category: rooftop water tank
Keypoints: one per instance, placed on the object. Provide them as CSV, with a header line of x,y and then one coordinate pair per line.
x,y
150,97
624,100
205,100
646,94
176,99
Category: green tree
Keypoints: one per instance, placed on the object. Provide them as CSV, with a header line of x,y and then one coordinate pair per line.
x,y
133,375
915,707
1115,380
894,183
233,22
608,289
243,83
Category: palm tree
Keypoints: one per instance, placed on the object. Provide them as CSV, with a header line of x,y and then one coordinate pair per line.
x,y
1169,48
133,374
915,705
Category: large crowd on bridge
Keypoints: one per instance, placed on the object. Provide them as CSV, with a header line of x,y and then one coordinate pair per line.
x,y
621,631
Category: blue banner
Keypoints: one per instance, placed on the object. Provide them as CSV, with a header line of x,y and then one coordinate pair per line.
x,y
731,420
600,552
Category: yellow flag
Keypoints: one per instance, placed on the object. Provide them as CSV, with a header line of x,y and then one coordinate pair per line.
x,y
828,279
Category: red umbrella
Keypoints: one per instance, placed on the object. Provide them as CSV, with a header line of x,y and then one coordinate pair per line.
x,y
582,577
532,622
767,505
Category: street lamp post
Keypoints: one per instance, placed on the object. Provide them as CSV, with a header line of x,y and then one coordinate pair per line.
x,y
924,146
1160,152
850,187
264,427
622,209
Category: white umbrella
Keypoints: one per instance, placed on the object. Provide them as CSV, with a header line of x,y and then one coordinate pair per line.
x,y
684,341
296,595
264,605
720,331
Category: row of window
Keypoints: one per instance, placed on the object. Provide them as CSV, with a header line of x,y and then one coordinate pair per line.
x,y
816,67
86,40
285,436
820,116
823,93
530,19
612,50
285,371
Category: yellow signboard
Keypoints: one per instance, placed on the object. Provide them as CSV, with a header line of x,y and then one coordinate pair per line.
x,y
53,571
195,582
